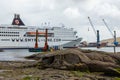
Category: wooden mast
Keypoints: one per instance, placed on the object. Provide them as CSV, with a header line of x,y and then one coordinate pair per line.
x,y
46,36
36,39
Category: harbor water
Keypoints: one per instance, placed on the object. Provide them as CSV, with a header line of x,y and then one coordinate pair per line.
x,y
106,49
19,54
15,55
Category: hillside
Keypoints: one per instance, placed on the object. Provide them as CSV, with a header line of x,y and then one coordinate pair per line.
x,y
111,40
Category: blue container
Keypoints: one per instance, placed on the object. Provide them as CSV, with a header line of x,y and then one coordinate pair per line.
x,y
55,47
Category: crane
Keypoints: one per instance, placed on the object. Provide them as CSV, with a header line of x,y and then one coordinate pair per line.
x,y
92,26
114,35
96,34
108,27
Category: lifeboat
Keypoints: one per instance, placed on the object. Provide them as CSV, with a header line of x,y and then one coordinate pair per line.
x,y
34,33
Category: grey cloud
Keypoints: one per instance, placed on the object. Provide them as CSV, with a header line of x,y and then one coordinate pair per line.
x,y
35,12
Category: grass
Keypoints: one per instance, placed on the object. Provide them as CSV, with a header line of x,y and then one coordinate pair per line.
x,y
31,78
117,70
77,73
117,78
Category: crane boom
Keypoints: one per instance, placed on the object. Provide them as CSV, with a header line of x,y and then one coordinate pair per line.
x,y
92,26
108,28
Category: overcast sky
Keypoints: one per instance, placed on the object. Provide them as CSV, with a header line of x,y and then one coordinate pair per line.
x,y
71,13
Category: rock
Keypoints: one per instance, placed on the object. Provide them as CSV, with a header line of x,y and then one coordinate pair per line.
x,y
113,71
100,57
116,57
77,59
100,66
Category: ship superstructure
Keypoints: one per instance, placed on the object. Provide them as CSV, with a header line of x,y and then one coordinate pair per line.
x,y
20,36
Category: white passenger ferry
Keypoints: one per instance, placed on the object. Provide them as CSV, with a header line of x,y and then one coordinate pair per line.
x,y
19,36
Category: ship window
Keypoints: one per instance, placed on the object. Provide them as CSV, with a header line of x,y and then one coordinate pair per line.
x,y
5,39
25,35
8,35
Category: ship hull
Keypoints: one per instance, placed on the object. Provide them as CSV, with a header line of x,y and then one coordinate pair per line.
x,y
23,37
20,45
